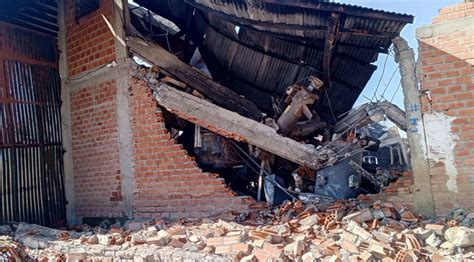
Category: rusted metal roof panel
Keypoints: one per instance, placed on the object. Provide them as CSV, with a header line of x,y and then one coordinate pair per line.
x,y
259,47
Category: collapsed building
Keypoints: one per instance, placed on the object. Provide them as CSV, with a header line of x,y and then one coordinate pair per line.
x,y
240,98
302,111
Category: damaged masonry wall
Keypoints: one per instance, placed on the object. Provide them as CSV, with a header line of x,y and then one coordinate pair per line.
x,y
445,128
120,160
123,162
446,60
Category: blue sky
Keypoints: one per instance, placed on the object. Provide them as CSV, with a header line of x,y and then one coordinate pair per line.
x,y
424,11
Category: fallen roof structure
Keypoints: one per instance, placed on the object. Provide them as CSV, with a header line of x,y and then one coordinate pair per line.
x,y
259,48
281,75
218,93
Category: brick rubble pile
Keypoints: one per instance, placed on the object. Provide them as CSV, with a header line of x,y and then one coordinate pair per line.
x,y
341,231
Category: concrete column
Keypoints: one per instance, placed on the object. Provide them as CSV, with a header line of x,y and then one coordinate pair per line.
x,y
125,138
66,117
422,195
124,128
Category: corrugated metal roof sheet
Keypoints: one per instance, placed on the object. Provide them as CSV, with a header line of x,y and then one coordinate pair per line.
x,y
38,15
281,42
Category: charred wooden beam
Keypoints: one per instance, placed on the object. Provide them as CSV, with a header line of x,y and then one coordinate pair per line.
x,y
232,125
195,79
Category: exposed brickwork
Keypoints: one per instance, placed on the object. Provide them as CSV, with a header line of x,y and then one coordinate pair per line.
x,y
447,72
168,182
96,151
454,12
90,42
446,63
398,192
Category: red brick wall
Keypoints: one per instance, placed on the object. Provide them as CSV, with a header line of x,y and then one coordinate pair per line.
x,y
447,72
168,182
90,43
95,148
96,151
446,63
454,12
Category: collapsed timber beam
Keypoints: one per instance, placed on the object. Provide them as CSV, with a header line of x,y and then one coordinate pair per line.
x,y
232,125
171,64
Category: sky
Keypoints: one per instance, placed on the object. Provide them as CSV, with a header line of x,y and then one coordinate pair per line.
x,y
424,11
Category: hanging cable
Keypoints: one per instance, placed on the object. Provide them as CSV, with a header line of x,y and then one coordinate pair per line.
x,y
388,84
398,87
286,191
381,77
330,105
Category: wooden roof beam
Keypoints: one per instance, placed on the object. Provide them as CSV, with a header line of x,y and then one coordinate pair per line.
x,y
216,92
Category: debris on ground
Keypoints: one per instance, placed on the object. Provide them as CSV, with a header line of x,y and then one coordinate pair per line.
x,y
11,250
349,230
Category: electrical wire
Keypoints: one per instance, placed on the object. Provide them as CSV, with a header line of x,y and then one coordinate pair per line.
x,y
286,191
388,84
396,91
330,105
381,77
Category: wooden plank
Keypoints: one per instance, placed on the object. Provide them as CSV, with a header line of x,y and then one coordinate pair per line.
x,y
219,94
232,125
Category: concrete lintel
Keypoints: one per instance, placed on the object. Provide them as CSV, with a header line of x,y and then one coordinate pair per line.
x,y
106,73
447,27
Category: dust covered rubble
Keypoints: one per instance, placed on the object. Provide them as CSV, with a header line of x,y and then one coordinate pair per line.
x,y
341,231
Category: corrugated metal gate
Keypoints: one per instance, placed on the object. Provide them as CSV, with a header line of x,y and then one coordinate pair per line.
x,y
31,154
